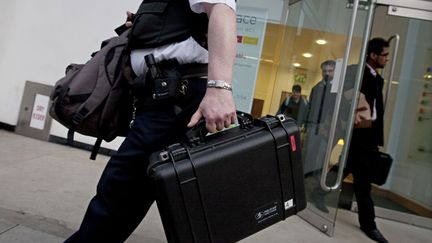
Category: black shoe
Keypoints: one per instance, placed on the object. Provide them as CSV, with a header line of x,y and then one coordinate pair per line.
x,y
375,235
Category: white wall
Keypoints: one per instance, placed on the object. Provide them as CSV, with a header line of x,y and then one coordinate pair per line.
x,y
40,38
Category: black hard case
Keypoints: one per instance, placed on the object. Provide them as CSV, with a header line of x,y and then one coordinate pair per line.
x,y
234,184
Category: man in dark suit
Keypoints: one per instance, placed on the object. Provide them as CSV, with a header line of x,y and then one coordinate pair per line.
x,y
365,140
318,120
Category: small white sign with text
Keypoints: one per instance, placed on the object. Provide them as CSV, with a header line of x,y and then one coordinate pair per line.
x,y
39,112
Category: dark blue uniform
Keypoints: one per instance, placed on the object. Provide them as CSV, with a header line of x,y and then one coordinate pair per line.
x,y
124,192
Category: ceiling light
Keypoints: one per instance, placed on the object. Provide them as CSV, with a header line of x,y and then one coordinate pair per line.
x,y
296,64
307,55
321,42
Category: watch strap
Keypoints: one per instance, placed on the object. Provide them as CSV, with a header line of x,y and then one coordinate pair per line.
x,y
219,84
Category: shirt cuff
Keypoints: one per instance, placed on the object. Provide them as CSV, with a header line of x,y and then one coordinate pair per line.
x,y
197,7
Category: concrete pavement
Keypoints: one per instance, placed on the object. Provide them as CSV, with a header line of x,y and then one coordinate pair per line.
x,y
45,189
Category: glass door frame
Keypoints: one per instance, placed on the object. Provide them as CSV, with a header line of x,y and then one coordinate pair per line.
x,y
325,224
407,9
396,7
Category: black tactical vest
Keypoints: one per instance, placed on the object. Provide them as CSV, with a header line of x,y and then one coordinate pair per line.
x,y
161,22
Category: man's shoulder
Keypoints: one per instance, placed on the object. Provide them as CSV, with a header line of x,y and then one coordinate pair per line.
x,y
319,84
368,75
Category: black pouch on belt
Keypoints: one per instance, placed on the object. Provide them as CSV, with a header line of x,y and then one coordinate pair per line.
x,y
166,79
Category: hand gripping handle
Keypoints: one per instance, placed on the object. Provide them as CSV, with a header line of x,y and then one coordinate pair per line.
x,y
199,134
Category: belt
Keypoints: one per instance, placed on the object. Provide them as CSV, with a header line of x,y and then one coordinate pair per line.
x,y
193,70
187,71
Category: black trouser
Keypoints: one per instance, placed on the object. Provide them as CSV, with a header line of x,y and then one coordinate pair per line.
x,y
124,192
359,165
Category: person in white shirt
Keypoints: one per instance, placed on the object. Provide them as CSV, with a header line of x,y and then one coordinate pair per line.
x,y
125,192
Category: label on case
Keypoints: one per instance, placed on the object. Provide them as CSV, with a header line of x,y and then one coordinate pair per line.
x,y
266,212
293,143
289,204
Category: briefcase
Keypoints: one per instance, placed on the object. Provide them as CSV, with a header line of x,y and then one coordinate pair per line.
x,y
227,186
380,165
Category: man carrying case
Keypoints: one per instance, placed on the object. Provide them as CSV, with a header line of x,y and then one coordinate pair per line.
x,y
229,185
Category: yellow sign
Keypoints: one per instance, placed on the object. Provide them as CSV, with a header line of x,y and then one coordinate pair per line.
x,y
250,40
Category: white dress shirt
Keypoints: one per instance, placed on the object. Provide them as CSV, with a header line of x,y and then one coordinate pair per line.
x,y
187,51
374,111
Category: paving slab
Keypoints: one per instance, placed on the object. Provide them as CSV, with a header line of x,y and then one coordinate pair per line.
x,y
22,234
5,226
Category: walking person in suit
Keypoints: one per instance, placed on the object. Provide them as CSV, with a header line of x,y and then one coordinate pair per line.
x,y
365,140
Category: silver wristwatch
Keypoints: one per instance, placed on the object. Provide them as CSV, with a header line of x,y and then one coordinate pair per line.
x,y
219,84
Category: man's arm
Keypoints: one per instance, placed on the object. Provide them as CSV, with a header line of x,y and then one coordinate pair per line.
x,y
217,106
283,106
308,109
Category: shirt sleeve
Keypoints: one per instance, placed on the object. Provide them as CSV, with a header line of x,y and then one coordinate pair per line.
x,y
197,7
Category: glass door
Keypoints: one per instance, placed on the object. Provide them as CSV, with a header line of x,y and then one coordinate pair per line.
x,y
319,46
322,49
407,195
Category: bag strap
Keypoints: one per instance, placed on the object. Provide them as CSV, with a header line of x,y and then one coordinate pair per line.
x,y
70,137
282,151
96,148
191,195
296,170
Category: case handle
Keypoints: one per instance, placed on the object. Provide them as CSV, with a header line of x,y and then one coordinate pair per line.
x,y
199,134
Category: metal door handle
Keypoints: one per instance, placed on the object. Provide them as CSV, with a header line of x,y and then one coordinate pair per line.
x,y
392,67
350,123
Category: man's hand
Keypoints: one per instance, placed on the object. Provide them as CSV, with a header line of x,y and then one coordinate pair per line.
x,y
129,22
358,118
129,19
361,121
218,109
